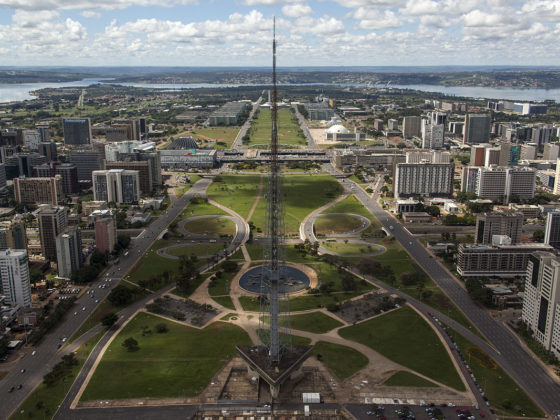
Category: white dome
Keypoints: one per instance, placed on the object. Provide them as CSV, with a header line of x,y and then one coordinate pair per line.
x,y
339,129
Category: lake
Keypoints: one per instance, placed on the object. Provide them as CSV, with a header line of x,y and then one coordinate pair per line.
x,y
21,91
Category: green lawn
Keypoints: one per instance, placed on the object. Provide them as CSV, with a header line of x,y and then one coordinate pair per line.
x,y
351,204
178,363
200,208
219,288
404,337
235,192
289,131
211,226
224,136
151,264
302,195
348,248
343,367
44,401
404,378
502,391
182,190
199,249
336,223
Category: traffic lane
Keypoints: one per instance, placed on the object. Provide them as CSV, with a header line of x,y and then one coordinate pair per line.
x,y
389,411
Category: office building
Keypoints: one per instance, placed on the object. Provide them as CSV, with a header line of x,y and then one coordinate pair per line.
x,y
509,154
77,131
529,151
53,220
3,178
22,164
68,252
552,230
393,125
231,113
541,300
13,234
31,139
411,127
39,190
144,172
44,134
14,271
87,161
496,261
478,154
105,232
527,108
521,184
500,184
113,151
551,151
424,179
541,134
378,124
491,156
477,128
183,159
48,149
69,174
118,185
432,135
508,223
431,156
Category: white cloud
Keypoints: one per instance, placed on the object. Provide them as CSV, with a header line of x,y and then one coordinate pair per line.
x,y
373,19
91,14
297,10
325,25
28,19
88,4
421,7
371,3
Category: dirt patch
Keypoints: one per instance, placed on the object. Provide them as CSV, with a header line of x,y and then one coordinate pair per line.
x,y
482,358
441,301
2,374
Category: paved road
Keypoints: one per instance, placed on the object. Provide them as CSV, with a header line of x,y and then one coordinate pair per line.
x,y
47,353
511,355
310,142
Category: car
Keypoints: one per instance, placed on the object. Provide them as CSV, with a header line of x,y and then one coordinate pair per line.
x,y
11,389
22,371
59,345
19,386
75,313
34,352
84,308
481,414
64,339
96,300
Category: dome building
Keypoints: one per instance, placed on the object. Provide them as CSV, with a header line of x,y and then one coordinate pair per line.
x,y
340,133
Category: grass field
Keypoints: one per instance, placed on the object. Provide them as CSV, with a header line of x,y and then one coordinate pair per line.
x,y
178,363
289,131
303,194
315,322
223,136
235,192
404,337
404,378
213,226
502,391
343,367
352,205
347,248
202,208
199,249
219,288
183,189
336,223
44,401
151,264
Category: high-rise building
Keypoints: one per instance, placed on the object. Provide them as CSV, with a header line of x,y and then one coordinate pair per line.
x,y
541,134
13,234
87,161
69,174
506,223
44,134
521,184
144,172
68,252
425,179
431,156
53,220
478,154
552,231
432,135
105,233
39,190
529,151
22,164
31,139
477,128
118,185
541,300
393,125
77,131
411,126
500,184
14,271
491,156
48,149
509,154
551,151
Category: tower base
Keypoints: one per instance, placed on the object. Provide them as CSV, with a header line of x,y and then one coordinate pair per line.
x,y
258,362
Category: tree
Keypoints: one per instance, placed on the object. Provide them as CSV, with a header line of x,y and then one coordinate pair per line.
x,y
130,344
538,236
35,276
120,296
161,328
230,266
109,319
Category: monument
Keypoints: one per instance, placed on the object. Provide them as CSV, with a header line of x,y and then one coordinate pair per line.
x,y
275,360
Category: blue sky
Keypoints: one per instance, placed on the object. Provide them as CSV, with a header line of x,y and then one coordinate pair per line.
x,y
238,33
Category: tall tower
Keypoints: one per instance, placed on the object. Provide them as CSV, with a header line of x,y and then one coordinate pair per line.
x,y
275,360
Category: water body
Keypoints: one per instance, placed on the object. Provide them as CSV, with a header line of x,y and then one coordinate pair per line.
x,y
21,91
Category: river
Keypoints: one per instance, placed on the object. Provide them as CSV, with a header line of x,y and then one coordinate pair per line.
x,y
21,91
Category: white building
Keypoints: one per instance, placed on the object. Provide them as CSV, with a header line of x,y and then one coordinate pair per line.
x,y
68,252
31,139
432,156
14,271
432,135
411,126
129,146
119,185
424,179
500,184
541,301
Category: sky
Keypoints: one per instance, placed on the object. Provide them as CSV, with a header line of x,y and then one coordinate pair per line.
x,y
309,33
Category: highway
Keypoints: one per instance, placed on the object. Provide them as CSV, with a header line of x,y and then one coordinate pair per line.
x,y
238,143
510,354
47,354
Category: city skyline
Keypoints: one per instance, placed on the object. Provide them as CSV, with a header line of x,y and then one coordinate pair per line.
x,y
312,33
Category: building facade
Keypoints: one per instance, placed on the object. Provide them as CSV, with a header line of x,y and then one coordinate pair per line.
x,y
507,223
477,128
53,220
39,190
105,233
14,271
77,131
118,185
411,127
68,252
423,179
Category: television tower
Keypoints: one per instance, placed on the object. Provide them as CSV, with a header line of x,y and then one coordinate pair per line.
x,y
275,360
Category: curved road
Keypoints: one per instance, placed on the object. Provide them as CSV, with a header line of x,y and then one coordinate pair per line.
x,y
510,354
